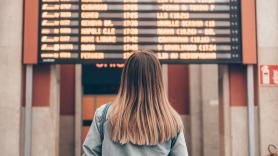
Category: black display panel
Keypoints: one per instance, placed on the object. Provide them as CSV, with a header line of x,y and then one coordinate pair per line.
x,y
106,31
100,79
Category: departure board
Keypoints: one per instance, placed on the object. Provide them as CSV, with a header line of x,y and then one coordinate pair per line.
x,y
107,31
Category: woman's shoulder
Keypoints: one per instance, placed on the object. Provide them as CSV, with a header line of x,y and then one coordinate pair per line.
x,y
102,109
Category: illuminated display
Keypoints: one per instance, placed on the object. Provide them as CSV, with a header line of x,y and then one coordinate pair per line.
x,y
107,31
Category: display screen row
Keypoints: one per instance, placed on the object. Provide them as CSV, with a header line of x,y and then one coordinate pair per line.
x,y
178,31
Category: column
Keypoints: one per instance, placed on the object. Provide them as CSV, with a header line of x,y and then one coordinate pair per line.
x,y
178,92
10,76
233,111
46,110
267,31
67,109
204,111
196,110
210,110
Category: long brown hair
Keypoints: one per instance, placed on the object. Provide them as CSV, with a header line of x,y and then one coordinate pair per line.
x,y
141,112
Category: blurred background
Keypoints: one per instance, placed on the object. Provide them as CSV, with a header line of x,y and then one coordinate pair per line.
x,y
53,75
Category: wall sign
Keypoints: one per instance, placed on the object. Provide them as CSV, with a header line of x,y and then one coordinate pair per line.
x,y
269,75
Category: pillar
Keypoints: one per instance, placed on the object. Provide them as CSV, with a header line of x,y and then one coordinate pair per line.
x,y
204,110
267,30
196,110
178,92
78,110
11,76
67,109
233,111
210,116
46,110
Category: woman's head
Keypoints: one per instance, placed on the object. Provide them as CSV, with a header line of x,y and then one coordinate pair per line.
x,y
142,113
141,78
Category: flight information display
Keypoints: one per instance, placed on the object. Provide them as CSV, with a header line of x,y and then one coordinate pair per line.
x,y
107,31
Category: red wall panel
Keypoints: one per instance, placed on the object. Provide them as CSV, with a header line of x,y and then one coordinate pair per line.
x,y
178,87
67,89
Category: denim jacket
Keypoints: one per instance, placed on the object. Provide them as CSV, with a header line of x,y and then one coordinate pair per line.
x,y
93,146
